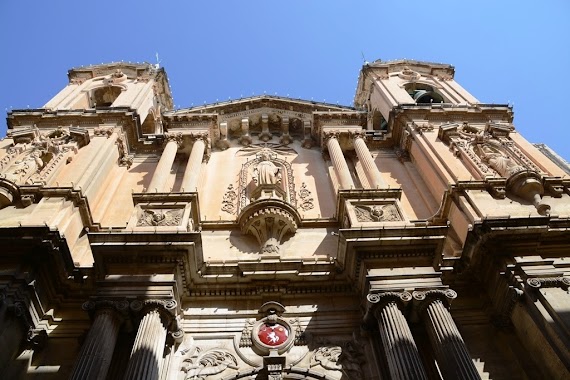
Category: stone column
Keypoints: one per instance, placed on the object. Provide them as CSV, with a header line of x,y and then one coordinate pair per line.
x,y
339,163
97,350
399,346
372,172
450,351
146,356
162,172
192,171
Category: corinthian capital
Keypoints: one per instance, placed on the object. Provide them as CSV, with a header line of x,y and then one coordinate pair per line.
x,y
357,134
174,136
327,135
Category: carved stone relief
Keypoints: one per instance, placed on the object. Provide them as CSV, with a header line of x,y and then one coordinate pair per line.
x,y
229,202
306,200
36,155
489,152
208,364
125,159
346,357
409,74
158,217
376,213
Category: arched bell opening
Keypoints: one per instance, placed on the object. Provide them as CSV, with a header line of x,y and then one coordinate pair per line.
x,y
105,96
423,93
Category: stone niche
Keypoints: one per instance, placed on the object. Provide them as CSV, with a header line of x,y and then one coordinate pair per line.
x,y
267,201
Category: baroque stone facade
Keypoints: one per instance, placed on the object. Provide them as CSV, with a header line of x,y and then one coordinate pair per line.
x,y
416,235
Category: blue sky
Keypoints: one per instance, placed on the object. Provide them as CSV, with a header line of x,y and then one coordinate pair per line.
x,y
507,51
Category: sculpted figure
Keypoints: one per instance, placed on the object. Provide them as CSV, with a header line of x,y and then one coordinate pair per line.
x,y
503,164
267,172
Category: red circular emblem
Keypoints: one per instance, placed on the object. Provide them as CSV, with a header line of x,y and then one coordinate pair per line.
x,y
273,335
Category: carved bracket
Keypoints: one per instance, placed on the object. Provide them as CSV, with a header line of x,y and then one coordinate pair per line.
x,y
269,221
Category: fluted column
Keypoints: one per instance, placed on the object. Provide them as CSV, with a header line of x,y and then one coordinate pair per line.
x,y
399,346
146,355
97,350
372,172
162,172
450,350
192,171
339,163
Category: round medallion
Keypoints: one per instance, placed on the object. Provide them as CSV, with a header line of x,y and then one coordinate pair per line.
x,y
273,335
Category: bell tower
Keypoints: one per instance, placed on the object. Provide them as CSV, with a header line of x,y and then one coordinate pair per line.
x,y
139,87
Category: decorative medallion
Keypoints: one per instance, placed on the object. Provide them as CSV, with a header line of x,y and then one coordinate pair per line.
x,y
273,334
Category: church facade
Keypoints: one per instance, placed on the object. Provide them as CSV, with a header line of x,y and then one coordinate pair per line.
x,y
416,235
